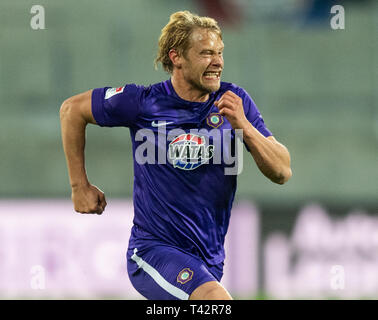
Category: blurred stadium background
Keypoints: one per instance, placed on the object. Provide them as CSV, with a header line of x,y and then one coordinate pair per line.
x,y
315,237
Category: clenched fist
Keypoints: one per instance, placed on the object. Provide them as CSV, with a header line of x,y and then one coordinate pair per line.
x,y
230,105
88,199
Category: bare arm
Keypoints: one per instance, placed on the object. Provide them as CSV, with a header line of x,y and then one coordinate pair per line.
x,y
75,114
271,157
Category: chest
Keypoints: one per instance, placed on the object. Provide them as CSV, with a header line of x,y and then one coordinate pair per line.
x,y
186,138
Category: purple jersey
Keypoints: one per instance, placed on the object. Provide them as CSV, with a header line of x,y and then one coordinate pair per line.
x,y
177,201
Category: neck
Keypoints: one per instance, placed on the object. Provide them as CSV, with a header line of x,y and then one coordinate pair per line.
x,y
188,92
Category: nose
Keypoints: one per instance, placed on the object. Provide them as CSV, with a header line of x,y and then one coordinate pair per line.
x,y
218,61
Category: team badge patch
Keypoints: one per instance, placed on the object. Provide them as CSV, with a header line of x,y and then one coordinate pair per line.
x,y
113,91
189,151
185,275
214,120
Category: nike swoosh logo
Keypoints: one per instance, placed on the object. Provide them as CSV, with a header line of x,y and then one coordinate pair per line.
x,y
159,124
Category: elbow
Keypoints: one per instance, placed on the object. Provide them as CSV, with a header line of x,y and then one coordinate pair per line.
x,y
283,176
70,110
77,108
65,109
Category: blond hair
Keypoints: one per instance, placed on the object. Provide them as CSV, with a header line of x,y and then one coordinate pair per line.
x,y
176,35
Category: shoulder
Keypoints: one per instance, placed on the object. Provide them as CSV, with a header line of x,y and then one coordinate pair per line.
x,y
145,92
241,92
248,103
155,88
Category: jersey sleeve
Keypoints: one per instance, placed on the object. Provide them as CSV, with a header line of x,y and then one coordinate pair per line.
x,y
117,107
253,114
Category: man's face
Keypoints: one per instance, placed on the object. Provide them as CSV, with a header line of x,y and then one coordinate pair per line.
x,y
202,64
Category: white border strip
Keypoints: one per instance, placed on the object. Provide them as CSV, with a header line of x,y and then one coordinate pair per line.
x,y
177,292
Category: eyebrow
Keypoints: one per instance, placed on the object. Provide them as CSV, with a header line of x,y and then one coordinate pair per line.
x,y
212,50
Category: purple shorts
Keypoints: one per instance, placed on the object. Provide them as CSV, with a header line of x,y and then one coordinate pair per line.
x,y
163,272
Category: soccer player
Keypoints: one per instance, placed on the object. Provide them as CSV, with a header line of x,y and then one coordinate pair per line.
x,y
181,206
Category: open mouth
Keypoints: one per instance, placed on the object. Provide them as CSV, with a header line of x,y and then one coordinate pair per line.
x,y
212,75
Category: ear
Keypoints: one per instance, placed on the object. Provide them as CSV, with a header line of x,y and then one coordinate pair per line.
x,y
175,58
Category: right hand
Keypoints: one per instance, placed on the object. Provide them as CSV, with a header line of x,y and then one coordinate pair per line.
x,y
88,199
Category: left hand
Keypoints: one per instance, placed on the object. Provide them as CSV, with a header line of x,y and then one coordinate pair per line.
x,y
230,105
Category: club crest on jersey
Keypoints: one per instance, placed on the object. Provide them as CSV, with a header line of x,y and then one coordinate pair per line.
x,y
185,275
113,91
214,120
189,151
